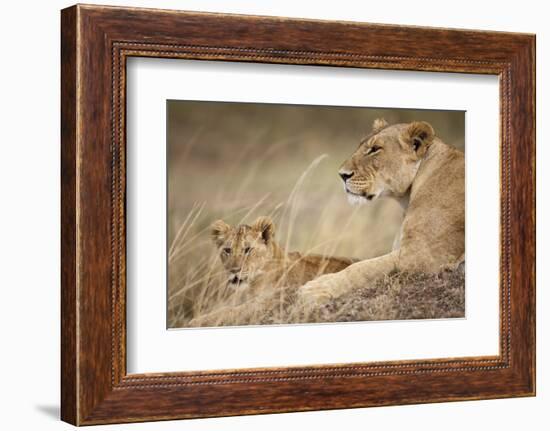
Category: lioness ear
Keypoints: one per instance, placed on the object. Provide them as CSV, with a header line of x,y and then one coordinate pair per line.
x,y
266,228
218,229
420,136
379,124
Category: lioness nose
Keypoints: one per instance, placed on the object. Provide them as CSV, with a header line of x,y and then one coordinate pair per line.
x,y
345,175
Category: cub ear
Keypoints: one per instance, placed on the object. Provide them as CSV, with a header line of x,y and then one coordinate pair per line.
x,y
420,136
218,229
379,124
266,228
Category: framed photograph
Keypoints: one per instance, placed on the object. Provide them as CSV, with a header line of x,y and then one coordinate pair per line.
x,y
266,215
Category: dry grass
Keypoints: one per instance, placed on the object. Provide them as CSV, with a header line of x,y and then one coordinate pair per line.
x,y
239,161
399,296
199,282
402,296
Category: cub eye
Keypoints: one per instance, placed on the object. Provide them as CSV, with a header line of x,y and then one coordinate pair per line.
x,y
374,149
247,250
227,250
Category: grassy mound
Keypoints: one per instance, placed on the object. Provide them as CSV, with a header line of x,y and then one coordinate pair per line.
x,y
398,296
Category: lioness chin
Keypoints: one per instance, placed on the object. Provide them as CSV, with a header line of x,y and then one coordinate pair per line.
x,y
409,163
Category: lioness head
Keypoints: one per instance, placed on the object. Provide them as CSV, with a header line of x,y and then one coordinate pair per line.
x,y
386,161
244,250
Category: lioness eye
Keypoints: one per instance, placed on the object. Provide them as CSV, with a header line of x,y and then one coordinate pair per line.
x,y
247,250
374,149
227,250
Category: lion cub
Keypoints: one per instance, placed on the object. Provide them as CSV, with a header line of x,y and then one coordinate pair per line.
x,y
253,259
258,269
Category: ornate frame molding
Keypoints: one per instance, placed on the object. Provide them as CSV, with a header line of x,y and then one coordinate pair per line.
x,y
96,41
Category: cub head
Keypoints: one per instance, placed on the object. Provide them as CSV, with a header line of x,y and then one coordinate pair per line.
x,y
244,250
386,161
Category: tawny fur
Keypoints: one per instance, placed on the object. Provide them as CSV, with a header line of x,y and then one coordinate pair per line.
x,y
257,266
409,163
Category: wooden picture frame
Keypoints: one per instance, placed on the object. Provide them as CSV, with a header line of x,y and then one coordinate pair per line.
x,y
96,41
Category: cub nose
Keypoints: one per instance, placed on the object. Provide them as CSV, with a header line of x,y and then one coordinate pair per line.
x,y
345,175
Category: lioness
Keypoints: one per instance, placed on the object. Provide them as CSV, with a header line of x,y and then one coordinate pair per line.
x,y
258,267
409,163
